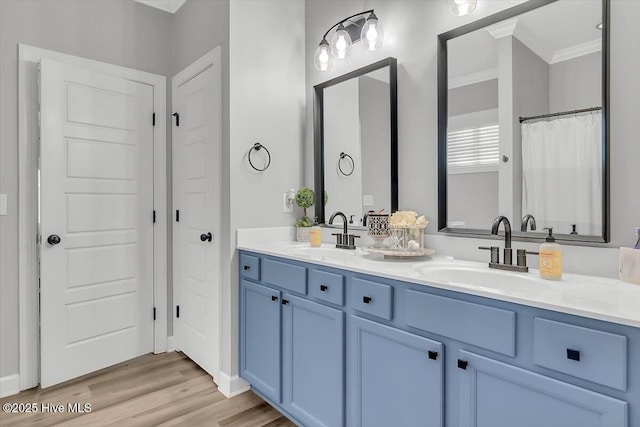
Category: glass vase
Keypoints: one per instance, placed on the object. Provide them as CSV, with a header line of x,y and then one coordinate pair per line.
x,y
409,238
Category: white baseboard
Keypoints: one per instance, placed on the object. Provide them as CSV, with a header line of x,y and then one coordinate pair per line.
x,y
231,386
9,385
171,344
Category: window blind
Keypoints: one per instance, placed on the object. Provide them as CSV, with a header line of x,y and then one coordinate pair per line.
x,y
479,146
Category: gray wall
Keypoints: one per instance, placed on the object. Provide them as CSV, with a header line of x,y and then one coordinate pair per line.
x,y
474,97
375,137
576,83
473,198
119,32
411,28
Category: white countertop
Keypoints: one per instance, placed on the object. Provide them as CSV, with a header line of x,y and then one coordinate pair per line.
x,y
593,297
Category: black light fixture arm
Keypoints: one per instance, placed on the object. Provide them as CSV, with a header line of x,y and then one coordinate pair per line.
x,y
345,20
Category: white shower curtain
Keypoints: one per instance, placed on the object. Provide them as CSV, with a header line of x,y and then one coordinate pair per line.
x,y
562,173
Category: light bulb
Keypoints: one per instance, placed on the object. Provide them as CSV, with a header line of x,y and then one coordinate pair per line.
x,y
322,59
372,34
340,43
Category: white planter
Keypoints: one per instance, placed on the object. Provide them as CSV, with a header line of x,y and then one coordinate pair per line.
x,y
303,234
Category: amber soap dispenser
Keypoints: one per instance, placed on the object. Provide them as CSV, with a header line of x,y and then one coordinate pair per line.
x,y
550,258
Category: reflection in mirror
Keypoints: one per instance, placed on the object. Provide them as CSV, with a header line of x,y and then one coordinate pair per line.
x,y
356,133
525,122
358,143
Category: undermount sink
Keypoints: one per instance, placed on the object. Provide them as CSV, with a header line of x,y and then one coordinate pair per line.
x,y
473,276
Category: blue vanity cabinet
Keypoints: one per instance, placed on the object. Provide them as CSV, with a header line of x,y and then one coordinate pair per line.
x,y
313,362
292,349
333,348
260,344
396,378
495,394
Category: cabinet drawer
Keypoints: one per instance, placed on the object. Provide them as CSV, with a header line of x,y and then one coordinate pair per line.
x,y
327,286
288,276
372,297
250,266
480,325
596,356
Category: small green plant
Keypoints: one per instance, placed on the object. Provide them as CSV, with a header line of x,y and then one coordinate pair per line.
x,y
304,199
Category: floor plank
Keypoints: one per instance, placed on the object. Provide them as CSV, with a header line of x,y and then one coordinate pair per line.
x,y
165,389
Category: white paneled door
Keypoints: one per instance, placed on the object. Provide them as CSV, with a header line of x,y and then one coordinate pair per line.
x,y
197,136
96,195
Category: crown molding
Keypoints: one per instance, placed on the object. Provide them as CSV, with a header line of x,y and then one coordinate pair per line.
x,y
576,51
503,29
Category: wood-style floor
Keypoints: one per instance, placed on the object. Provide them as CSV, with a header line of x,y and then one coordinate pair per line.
x,y
153,390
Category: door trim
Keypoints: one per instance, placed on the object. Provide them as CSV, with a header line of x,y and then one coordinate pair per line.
x,y
29,316
199,66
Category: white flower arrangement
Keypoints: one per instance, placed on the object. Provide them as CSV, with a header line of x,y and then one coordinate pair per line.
x,y
403,219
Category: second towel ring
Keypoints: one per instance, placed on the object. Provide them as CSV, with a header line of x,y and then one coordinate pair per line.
x,y
257,147
353,164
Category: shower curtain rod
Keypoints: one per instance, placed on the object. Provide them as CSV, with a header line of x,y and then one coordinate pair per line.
x,y
563,113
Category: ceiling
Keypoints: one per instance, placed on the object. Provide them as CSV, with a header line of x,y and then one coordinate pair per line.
x,y
556,32
170,6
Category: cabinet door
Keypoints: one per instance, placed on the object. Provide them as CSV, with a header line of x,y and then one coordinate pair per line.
x,y
260,341
494,394
396,377
313,344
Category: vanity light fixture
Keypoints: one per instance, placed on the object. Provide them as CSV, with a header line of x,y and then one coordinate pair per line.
x,y
348,31
462,7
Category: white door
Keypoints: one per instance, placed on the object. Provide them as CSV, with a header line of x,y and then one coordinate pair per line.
x,y
197,135
96,254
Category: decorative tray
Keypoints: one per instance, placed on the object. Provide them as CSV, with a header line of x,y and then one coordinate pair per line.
x,y
397,253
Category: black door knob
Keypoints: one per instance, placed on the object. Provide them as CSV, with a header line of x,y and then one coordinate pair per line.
x,y
205,237
53,240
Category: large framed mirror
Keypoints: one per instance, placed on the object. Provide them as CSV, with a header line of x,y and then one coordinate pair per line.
x,y
522,122
356,143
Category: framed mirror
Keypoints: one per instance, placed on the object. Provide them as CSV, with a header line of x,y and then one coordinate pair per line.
x,y
356,143
522,122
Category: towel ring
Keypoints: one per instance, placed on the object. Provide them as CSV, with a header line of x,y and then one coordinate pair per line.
x,y
257,147
353,164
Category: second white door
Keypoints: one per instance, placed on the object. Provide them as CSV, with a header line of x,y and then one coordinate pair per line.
x,y
96,254
197,136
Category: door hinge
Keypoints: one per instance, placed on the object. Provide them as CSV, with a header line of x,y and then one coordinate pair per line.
x,y
177,215
462,364
154,313
154,217
177,116
177,311
153,119
433,355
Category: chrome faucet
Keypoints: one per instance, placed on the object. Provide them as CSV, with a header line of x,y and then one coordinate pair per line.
x,y
526,220
344,240
521,260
